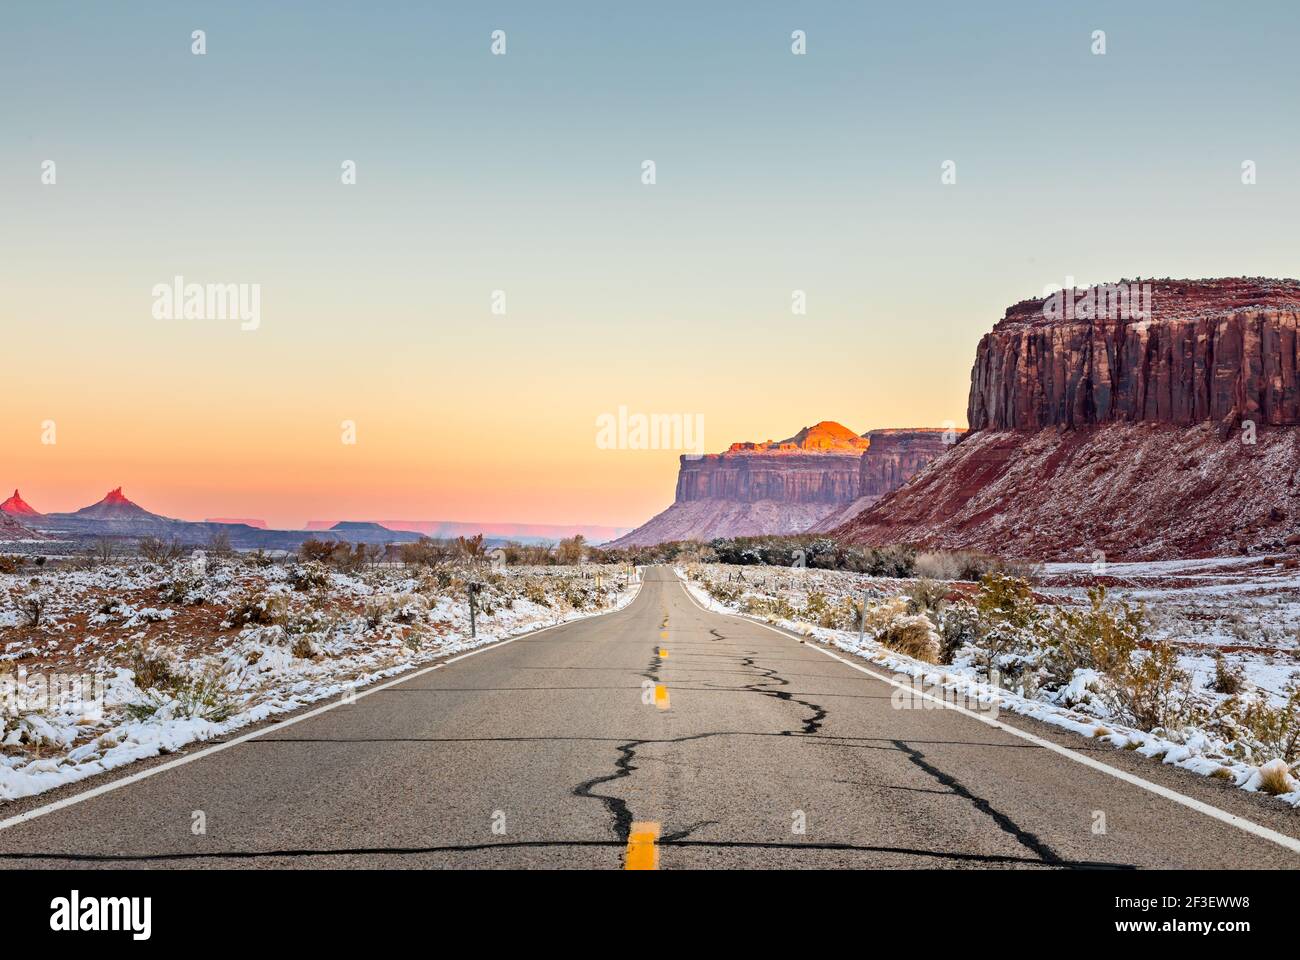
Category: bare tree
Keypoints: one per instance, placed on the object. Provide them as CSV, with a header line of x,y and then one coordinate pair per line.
x,y
571,549
33,608
219,544
159,551
104,550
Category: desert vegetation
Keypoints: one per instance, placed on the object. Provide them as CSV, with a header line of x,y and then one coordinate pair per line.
x,y
1097,656
821,553
168,646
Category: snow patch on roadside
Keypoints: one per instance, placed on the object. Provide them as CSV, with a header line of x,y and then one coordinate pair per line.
x,y
1200,753
264,678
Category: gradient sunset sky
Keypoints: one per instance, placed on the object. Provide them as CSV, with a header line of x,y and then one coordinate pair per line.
x,y
523,173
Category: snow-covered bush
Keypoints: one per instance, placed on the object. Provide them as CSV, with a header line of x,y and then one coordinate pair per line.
x,y
32,607
309,575
911,634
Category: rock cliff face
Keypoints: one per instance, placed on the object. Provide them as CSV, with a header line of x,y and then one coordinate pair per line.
x,y
826,478
1093,431
1211,350
893,457
11,529
784,487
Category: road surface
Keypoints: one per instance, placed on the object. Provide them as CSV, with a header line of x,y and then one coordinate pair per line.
x,y
658,736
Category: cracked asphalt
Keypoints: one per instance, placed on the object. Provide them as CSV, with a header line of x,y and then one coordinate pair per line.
x,y
545,751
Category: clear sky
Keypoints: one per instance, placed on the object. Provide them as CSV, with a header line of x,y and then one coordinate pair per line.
x,y
522,173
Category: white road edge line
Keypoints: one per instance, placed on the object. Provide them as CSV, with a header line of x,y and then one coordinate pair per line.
x,y
1281,839
253,735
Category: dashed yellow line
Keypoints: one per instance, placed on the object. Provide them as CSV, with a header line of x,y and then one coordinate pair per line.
x,y
663,653
661,696
642,850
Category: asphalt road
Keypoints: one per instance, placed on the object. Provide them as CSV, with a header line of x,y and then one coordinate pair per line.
x,y
659,735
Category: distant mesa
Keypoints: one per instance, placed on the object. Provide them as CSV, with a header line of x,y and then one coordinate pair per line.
x,y
788,486
239,521
18,507
343,526
116,516
519,532
359,526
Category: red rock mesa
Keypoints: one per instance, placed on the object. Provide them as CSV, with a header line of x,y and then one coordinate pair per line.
x,y
782,487
1162,437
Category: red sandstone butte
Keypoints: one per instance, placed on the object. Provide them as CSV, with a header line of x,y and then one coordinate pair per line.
x,y
114,506
1124,437
1216,350
778,487
18,507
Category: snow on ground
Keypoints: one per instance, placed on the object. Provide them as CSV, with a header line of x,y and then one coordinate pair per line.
x,y
1192,604
133,660
1246,609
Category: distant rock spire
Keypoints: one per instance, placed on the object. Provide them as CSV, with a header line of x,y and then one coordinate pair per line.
x,y
17,506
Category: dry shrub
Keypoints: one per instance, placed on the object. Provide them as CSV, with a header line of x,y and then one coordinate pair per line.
x,y
313,550
913,636
958,625
152,668
925,594
203,697
1271,731
303,647
260,609
159,551
778,608
309,575
11,563
910,634
424,553
956,565
1156,692
816,608
1275,778
1006,601
1102,637
186,585
32,607
1148,689
404,608
339,554
1229,680
258,559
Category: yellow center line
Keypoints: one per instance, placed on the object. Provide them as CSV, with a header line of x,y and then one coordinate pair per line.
x,y
663,653
661,696
642,851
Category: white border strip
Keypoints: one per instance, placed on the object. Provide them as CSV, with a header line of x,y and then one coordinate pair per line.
x,y
264,731
1281,839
